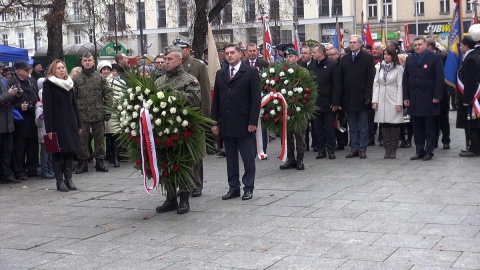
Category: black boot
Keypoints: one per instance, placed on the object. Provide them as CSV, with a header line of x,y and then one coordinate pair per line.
x,y
183,205
394,142
387,140
57,169
290,164
170,204
99,166
82,166
115,151
67,172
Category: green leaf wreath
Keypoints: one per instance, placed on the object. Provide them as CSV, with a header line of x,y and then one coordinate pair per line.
x,y
179,130
296,84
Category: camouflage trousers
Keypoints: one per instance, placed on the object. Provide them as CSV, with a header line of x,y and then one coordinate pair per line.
x,y
98,135
296,139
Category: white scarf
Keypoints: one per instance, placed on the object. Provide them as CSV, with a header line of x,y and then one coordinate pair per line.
x,y
65,84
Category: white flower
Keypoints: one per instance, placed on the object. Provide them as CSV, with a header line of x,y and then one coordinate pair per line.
x,y
125,123
272,82
264,75
123,112
288,117
283,91
149,102
125,103
281,74
175,130
171,99
127,130
134,133
160,95
290,93
136,108
262,111
138,88
295,89
290,70
122,125
147,91
129,107
173,110
298,109
140,97
129,90
132,96
134,115
166,131
275,101
185,112
267,82
184,123
164,113
122,119
279,108
119,107
300,89
155,110
272,112
128,118
272,70
158,122
170,121
285,82
179,119
147,105
163,105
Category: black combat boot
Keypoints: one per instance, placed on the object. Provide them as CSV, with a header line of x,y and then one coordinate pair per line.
x,y
115,151
57,169
99,166
290,164
67,172
170,204
183,205
82,166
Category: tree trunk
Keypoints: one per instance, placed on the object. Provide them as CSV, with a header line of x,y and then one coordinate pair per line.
x,y
55,21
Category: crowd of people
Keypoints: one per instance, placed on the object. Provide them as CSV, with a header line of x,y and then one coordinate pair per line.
x,y
398,94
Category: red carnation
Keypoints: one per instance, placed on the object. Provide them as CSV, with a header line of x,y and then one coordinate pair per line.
x,y
165,174
265,87
295,99
277,79
131,137
289,112
187,133
157,140
304,101
138,162
265,117
285,68
307,90
176,137
306,96
164,165
176,168
169,142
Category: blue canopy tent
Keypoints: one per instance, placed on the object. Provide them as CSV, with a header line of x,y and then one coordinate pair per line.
x,y
12,54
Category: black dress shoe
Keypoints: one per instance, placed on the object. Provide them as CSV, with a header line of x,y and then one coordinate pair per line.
x,y
11,179
247,195
417,157
289,164
231,194
196,193
321,155
300,165
331,156
446,146
210,151
467,154
362,155
315,149
352,154
221,153
427,157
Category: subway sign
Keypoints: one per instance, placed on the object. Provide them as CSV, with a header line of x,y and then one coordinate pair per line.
x,y
436,28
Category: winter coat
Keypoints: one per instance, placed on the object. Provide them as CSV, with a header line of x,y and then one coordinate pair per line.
x,y
199,70
61,115
469,74
39,121
326,75
388,94
6,116
25,128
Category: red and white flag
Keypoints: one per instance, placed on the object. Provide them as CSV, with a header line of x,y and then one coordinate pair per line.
x,y
296,42
267,37
407,38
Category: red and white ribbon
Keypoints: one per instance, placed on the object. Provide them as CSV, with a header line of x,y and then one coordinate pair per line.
x,y
267,98
147,140
475,103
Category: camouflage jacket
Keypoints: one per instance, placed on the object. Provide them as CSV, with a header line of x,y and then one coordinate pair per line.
x,y
186,86
93,95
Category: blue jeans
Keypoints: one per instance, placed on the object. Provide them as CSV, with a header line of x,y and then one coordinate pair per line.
x,y
358,126
45,159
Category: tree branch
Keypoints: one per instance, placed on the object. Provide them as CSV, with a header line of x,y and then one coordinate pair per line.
x,y
217,9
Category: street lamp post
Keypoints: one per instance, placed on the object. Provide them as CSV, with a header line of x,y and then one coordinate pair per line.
x,y
142,46
416,17
34,25
115,22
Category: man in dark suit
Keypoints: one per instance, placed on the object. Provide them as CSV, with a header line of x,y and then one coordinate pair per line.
x,y
326,74
236,109
423,83
357,72
307,62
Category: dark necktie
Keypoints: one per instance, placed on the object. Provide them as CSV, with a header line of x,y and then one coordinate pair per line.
x,y
252,63
232,73
353,56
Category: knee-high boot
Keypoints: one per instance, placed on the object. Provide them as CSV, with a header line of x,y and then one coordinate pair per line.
x,y
387,140
395,133
67,172
57,169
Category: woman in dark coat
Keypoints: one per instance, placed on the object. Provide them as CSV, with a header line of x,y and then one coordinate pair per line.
x,y
61,117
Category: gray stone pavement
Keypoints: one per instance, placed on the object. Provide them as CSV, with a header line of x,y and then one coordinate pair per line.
x,y
337,214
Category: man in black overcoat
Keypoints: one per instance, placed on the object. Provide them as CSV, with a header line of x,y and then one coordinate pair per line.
x,y
423,83
236,109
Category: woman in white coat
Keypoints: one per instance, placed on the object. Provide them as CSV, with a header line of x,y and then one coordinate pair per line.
x,y
387,100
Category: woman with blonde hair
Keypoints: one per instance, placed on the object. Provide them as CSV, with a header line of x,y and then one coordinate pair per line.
x,y
61,117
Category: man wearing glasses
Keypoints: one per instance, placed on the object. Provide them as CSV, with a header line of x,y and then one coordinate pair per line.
x,y
158,62
333,55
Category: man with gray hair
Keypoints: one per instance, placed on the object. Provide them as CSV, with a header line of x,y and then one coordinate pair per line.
x,y
357,72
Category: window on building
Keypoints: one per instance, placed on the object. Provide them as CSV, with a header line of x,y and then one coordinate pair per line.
x,y
252,35
182,13
445,6
21,40
250,14
301,32
78,36
3,17
387,8
161,13
274,10
19,12
300,8
90,35
111,17
419,7
163,40
5,39
227,13
76,10
468,6
286,36
337,7
323,8
372,9
140,15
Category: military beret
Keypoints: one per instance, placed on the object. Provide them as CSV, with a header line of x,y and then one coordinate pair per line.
x,y
468,41
181,43
290,51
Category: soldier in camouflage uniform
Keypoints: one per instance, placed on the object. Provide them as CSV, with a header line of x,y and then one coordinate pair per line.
x,y
93,96
187,87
